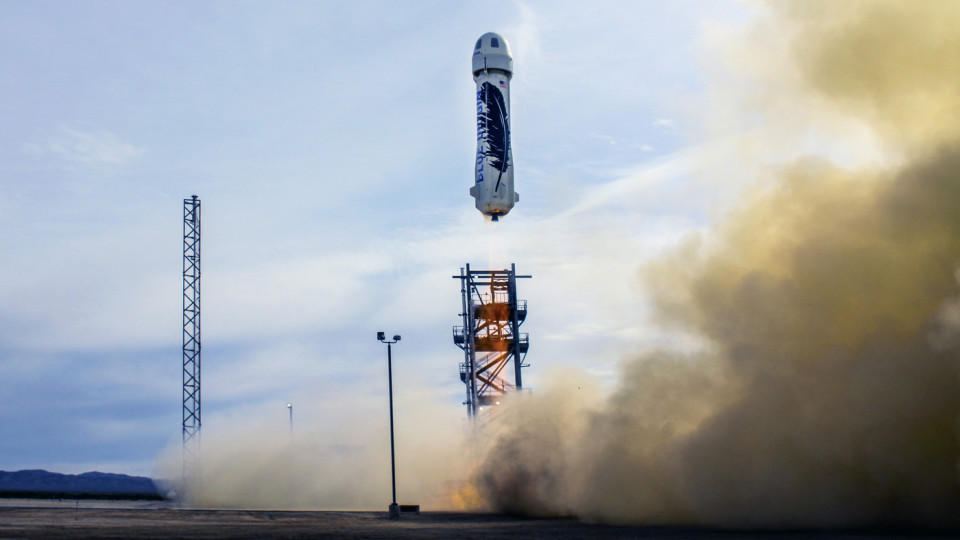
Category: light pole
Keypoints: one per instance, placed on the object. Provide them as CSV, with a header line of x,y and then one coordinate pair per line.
x,y
394,511
290,407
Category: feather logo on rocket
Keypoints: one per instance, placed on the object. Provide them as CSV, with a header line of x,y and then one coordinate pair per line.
x,y
496,130
492,70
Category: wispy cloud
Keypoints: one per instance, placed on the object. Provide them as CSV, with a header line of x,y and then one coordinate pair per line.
x,y
665,122
86,147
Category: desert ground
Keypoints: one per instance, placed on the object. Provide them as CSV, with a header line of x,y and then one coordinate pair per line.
x,y
23,518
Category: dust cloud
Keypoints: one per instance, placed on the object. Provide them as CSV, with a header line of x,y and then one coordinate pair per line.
x,y
252,462
827,393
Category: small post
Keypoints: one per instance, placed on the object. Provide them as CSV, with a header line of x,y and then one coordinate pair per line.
x,y
290,407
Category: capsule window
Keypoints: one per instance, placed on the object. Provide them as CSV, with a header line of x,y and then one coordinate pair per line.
x,y
479,41
495,43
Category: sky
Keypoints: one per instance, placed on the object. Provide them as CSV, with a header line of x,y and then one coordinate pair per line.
x,y
332,147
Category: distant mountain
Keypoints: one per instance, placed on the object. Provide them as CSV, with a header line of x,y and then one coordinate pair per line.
x,y
93,483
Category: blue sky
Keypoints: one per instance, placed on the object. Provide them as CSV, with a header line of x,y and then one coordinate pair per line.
x,y
331,144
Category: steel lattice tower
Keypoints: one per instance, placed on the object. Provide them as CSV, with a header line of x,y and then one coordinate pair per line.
x,y
191,336
490,335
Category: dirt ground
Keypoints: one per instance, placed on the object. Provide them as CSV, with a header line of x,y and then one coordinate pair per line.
x,y
106,519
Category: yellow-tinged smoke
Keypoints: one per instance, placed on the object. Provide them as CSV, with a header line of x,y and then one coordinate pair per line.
x,y
830,394
891,62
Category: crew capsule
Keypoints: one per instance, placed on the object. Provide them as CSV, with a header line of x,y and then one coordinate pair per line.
x,y
493,179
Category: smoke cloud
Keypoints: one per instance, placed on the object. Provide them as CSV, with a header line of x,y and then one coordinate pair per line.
x,y
827,393
254,462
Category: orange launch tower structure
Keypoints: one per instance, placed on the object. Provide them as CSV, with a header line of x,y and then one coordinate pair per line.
x,y
490,335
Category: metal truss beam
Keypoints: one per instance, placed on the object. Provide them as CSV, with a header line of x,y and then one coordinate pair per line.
x,y
191,337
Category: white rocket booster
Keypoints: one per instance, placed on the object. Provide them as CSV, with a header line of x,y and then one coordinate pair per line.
x,y
492,70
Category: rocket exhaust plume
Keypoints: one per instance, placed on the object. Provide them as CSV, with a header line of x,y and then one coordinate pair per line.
x,y
828,392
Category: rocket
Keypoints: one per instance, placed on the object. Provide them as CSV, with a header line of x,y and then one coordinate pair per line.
x,y
493,181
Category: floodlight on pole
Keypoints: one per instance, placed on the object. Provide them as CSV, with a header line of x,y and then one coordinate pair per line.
x,y
394,510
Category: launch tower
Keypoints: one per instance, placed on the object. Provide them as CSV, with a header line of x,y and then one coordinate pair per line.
x,y
490,335
191,336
